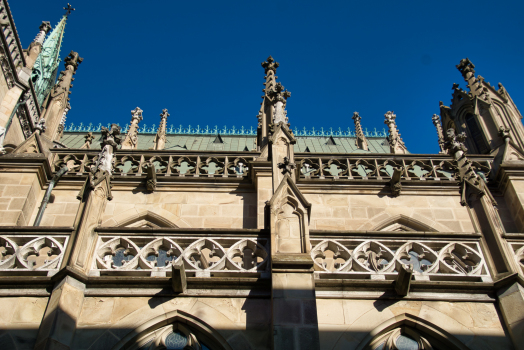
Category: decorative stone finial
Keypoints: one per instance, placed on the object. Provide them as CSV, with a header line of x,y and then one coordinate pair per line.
x,y
396,144
270,65
455,143
89,140
361,141
286,166
73,60
475,85
45,27
40,126
504,132
136,114
111,136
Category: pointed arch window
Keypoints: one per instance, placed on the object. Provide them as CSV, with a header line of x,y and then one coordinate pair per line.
x,y
476,134
404,338
173,337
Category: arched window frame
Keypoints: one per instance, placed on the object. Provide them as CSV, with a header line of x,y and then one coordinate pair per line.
x,y
152,334
474,144
429,335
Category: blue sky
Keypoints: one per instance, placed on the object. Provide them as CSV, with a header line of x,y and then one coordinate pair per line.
x,y
201,59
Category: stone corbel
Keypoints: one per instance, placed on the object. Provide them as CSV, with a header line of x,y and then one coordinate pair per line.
x,y
151,177
178,279
394,183
403,281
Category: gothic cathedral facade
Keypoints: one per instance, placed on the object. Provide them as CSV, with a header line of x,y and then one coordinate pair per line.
x,y
266,237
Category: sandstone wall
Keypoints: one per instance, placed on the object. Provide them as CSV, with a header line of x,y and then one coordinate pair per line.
x,y
61,210
367,211
244,323
20,318
515,201
343,324
18,197
207,209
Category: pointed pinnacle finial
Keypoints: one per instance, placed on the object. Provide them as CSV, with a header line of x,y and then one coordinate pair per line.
x,y
68,9
270,65
136,114
164,114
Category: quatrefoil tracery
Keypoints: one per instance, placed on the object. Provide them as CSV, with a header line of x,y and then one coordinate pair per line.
x,y
376,257
121,253
40,253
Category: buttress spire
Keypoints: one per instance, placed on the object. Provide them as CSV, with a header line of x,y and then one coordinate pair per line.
x,y
45,68
361,141
396,145
440,133
131,140
160,138
273,109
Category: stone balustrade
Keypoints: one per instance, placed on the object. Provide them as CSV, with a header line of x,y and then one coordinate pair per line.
x,y
202,256
168,165
435,260
31,254
379,168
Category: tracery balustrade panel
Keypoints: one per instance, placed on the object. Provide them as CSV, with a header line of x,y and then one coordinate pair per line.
x,y
31,255
135,164
434,260
382,168
517,247
121,255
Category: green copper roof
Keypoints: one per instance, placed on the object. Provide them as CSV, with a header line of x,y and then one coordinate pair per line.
x,y
46,65
236,143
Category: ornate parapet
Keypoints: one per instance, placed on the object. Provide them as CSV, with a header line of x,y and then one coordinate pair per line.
x,y
221,255
437,168
182,165
438,260
34,252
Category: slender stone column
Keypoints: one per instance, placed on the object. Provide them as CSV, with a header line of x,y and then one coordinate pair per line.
x,y
63,309
476,195
93,199
293,299
65,304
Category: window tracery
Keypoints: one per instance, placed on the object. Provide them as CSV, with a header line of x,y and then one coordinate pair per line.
x,y
172,337
403,338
